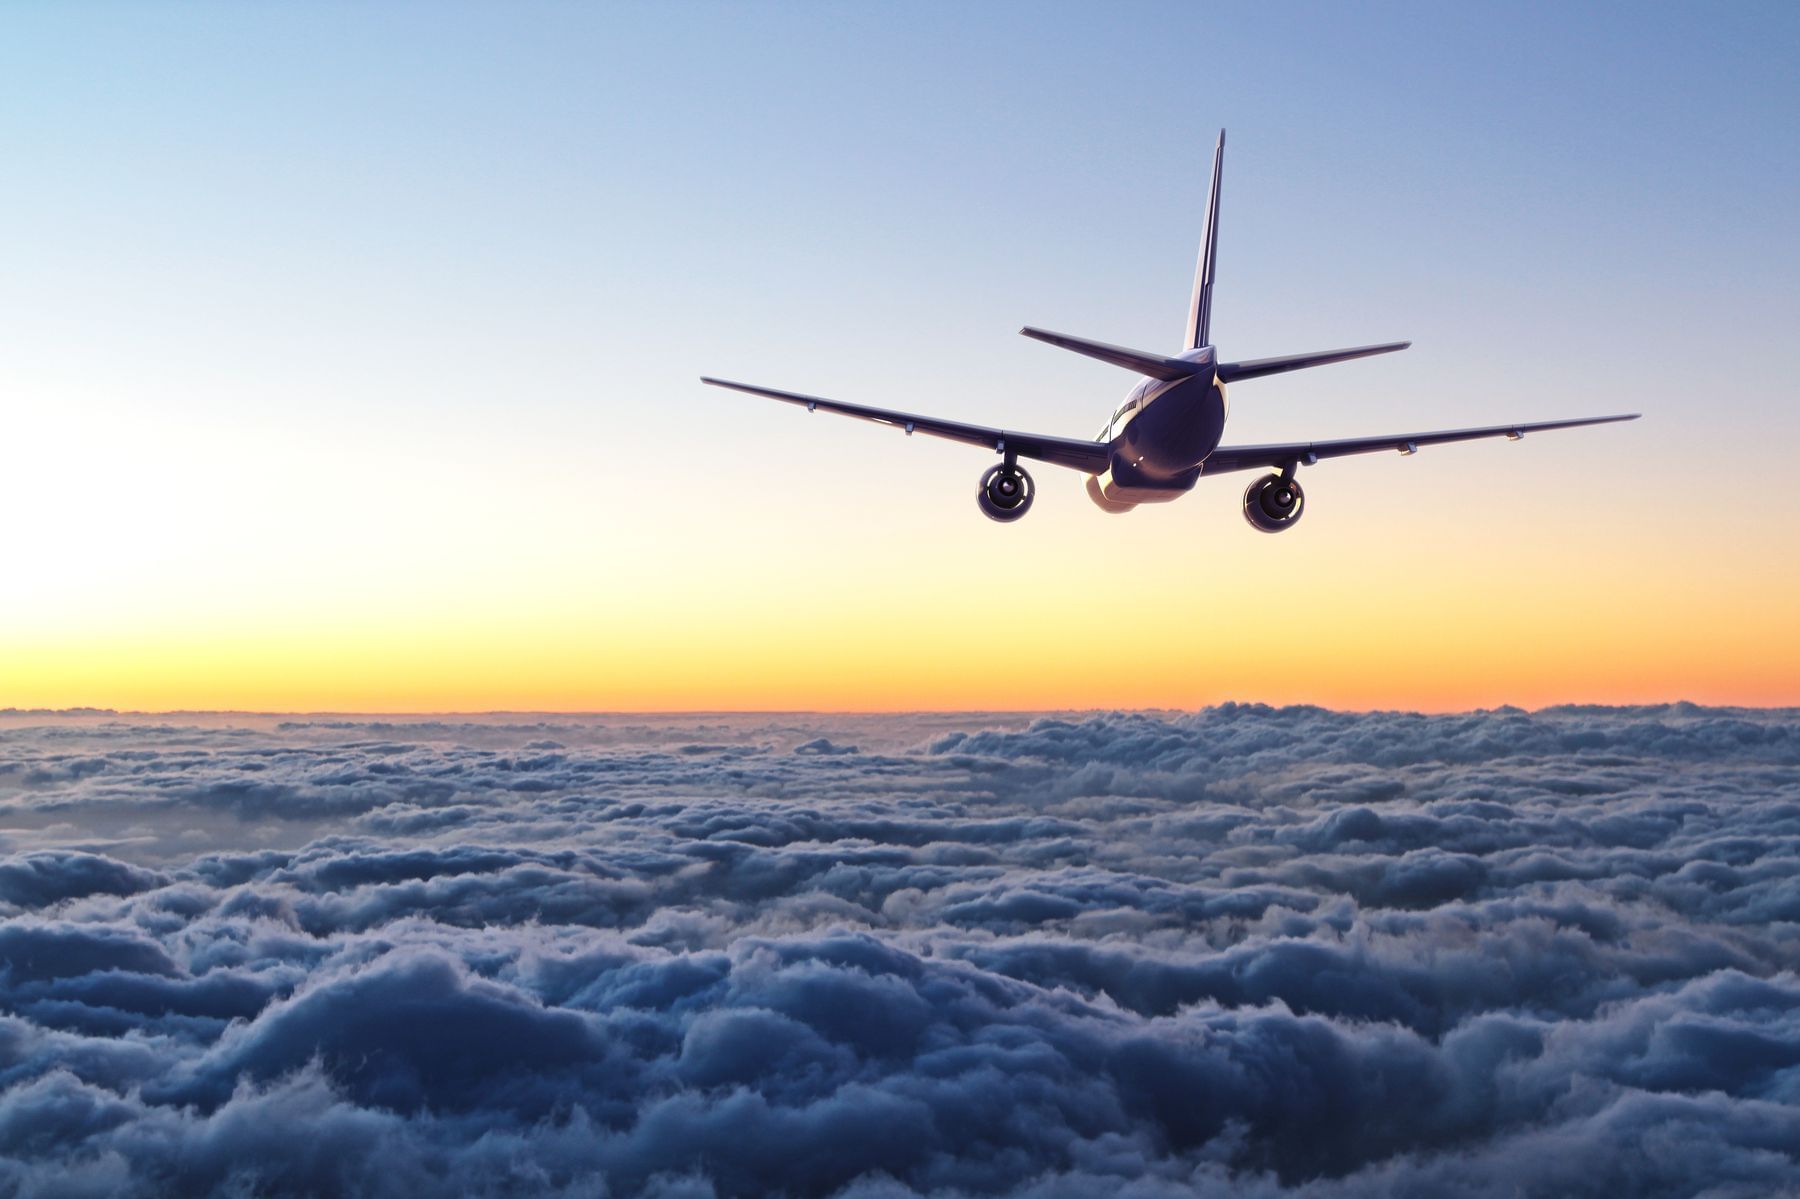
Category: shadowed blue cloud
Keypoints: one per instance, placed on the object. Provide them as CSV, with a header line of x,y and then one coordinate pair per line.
x,y
1250,951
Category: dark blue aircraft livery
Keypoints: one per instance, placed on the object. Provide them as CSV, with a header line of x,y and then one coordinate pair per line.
x,y
1167,433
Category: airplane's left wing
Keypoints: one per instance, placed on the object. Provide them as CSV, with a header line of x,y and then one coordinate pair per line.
x,y
1249,457
1089,456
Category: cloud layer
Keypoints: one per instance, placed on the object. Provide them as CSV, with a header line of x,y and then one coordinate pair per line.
x,y
1246,952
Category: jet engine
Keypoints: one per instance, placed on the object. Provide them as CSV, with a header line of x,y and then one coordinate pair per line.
x,y
1273,503
1006,492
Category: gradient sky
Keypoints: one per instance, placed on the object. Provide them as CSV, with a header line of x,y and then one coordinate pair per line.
x,y
350,352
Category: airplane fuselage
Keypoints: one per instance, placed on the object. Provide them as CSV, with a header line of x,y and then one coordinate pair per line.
x,y
1159,438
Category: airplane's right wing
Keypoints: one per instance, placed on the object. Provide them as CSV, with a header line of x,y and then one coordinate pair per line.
x,y
1092,457
1249,457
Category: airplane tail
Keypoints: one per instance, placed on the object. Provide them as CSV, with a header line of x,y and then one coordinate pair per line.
x,y
1199,324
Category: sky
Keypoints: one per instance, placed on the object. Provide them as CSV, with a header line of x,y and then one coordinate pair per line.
x,y
1244,952
351,353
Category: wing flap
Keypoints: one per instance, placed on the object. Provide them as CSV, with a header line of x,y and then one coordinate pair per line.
x,y
1089,456
1250,457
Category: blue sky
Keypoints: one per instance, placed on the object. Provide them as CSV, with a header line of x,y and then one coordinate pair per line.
x,y
818,181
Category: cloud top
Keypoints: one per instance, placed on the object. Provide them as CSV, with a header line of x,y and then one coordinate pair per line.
x,y
1248,951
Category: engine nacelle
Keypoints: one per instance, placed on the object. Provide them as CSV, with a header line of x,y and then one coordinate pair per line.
x,y
1006,492
1272,503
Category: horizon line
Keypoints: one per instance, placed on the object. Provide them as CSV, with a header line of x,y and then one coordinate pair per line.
x,y
76,711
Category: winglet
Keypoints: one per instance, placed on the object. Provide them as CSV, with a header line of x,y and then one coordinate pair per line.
x,y
1199,324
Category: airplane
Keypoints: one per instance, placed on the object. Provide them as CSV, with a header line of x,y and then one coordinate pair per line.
x,y
1166,436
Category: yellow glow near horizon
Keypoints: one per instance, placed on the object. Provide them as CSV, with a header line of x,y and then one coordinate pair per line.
x,y
1266,619
553,587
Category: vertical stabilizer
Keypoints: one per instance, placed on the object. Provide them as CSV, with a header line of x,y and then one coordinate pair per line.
x,y
1199,326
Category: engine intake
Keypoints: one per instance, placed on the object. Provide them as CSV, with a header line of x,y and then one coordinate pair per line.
x,y
1273,503
1006,492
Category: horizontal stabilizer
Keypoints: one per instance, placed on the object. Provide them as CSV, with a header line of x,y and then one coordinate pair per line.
x,y
1157,366
1231,372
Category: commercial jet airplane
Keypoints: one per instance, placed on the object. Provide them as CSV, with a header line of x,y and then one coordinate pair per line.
x,y
1166,434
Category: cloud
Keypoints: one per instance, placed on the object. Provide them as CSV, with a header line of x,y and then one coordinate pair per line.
x,y
32,880
1247,951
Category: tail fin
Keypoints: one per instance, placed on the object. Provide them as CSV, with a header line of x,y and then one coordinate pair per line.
x,y
1199,325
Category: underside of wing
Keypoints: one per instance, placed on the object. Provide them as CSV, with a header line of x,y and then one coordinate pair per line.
x,y
1250,457
1089,456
